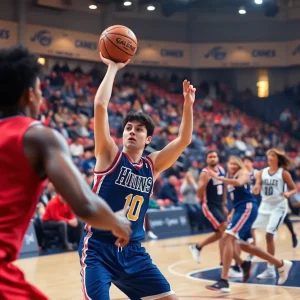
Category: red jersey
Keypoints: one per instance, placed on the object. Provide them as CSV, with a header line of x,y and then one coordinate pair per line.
x,y
58,211
20,187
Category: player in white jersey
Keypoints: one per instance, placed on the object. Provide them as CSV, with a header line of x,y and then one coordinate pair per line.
x,y
274,205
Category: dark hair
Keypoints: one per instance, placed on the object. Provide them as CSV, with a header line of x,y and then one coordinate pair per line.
x,y
142,118
19,70
211,151
283,160
248,158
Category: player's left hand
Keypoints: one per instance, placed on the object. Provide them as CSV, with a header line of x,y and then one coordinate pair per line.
x,y
188,92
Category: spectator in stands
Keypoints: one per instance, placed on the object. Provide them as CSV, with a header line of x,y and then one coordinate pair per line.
x,y
173,171
88,162
59,216
62,130
49,193
162,140
296,174
76,148
189,191
194,169
168,190
240,144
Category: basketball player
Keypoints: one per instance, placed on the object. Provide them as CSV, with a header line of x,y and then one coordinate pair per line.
x,y
241,219
235,270
214,204
274,205
126,179
30,152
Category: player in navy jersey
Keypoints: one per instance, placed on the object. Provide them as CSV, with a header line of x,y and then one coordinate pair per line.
x,y
126,179
214,207
235,270
254,173
240,221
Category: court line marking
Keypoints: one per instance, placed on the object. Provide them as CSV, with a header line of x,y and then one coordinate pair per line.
x,y
189,276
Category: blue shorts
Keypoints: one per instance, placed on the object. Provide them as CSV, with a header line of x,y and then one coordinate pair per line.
x,y
130,269
241,224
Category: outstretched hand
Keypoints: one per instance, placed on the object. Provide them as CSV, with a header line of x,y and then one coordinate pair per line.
x,y
212,173
188,92
111,63
123,230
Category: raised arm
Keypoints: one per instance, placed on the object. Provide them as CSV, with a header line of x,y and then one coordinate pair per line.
x,y
292,188
48,153
105,147
165,158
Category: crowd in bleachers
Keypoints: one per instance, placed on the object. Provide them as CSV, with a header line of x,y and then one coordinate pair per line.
x,y
68,107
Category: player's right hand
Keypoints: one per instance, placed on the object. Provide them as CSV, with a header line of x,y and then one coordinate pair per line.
x,y
123,228
111,63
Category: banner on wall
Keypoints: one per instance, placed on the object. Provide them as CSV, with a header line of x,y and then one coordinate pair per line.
x,y
78,45
240,55
8,34
163,54
293,53
63,43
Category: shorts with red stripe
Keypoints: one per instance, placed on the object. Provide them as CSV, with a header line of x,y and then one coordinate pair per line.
x,y
13,285
214,214
242,221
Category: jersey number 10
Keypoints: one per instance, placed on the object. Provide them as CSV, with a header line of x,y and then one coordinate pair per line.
x,y
135,204
269,191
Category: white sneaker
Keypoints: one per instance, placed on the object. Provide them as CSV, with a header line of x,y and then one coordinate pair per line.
x,y
235,274
268,273
151,235
195,253
284,271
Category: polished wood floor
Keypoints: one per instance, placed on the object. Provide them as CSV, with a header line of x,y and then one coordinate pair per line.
x,y
58,275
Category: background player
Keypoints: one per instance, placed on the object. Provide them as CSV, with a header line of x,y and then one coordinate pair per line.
x,y
235,271
274,205
29,153
214,205
126,179
241,219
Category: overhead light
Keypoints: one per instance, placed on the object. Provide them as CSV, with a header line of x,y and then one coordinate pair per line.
x,y
93,6
42,60
127,3
242,11
151,7
258,1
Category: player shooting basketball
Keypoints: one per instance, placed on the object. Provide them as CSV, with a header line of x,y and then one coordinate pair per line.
x,y
126,179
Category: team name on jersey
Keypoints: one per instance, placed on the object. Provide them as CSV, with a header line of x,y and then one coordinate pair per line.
x,y
272,182
135,182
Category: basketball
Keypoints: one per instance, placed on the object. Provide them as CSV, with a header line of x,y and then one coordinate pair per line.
x,y
118,43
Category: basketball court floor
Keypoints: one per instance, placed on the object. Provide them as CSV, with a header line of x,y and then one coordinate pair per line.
x,y
58,275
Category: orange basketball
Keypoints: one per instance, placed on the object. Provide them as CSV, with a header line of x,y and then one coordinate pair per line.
x,y
118,43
